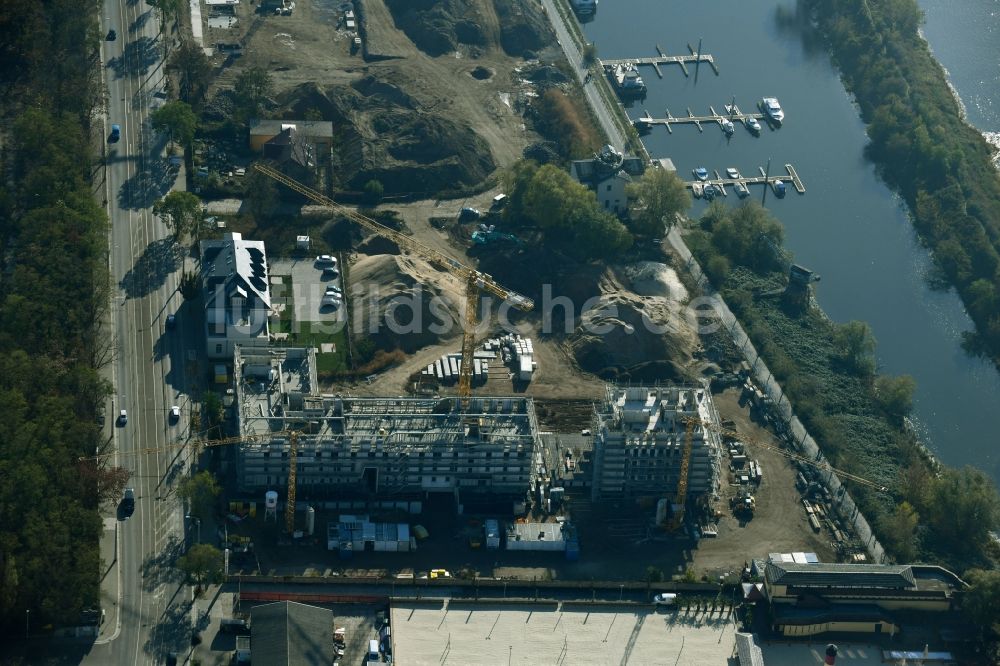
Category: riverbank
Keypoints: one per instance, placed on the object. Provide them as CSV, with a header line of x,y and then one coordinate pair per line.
x,y
878,452
940,164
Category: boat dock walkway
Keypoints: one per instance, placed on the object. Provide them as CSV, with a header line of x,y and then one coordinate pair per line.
x,y
762,179
663,59
733,114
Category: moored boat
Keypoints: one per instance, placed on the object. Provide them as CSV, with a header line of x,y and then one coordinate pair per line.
x,y
701,173
741,189
752,124
772,109
779,188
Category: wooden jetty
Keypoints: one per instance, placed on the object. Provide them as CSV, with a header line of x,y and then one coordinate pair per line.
x,y
762,179
733,114
663,59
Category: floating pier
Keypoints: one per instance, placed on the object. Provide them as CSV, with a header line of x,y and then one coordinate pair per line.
x,y
694,58
762,179
733,114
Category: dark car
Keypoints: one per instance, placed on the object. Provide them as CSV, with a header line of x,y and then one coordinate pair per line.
x,y
128,502
171,321
116,133
468,214
112,35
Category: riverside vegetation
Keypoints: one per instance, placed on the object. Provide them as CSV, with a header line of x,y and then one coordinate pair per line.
x,y
922,146
932,513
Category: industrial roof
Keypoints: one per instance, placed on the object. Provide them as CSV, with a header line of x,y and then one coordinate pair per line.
x,y
796,615
748,651
289,633
310,128
840,575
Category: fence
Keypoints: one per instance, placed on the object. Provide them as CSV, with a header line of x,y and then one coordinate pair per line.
x,y
842,501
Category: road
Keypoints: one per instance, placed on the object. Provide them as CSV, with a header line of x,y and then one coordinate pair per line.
x,y
575,59
144,598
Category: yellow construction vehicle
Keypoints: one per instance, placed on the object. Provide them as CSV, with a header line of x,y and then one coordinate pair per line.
x,y
475,281
293,452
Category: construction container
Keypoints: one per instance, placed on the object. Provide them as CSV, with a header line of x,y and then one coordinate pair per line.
x,y
491,529
814,523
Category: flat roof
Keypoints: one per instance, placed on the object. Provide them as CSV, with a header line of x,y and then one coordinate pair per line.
x,y
460,632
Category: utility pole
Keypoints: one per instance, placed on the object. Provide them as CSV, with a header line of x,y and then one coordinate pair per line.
x,y
767,181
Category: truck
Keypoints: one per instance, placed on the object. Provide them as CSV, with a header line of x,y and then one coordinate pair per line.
x,y
492,530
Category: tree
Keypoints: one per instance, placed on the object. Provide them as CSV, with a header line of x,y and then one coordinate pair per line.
x,y
855,346
261,194
108,482
980,601
194,72
170,9
589,54
373,192
962,510
181,211
900,530
211,407
658,197
200,491
177,119
895,395
203,562
253,87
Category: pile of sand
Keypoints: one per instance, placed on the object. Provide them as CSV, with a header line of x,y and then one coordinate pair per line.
x,y
402,302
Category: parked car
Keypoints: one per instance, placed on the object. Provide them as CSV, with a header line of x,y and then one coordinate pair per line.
x,y
467,214
333,289
665,599
326,260
331,272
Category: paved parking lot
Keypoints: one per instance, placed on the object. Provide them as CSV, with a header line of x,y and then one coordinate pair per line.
x,y
308,286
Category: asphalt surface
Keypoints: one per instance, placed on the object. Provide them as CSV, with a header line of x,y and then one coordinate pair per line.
x,y
146,603
575,58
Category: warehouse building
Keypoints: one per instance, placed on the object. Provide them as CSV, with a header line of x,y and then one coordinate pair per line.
x,y
810,599
639,435
376,447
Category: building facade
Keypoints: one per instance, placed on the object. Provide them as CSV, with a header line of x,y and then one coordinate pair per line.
x,y
810,599
237,295
608,174
376,447
639,436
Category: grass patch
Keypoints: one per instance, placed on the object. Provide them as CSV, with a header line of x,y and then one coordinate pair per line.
x,y
309,333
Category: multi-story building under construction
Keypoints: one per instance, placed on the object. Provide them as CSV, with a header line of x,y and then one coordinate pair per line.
x,y
376,447
639,435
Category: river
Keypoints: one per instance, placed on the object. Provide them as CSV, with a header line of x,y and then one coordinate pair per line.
x,y
848,227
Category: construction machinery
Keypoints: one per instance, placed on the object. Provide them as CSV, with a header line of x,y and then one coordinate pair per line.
x,y
293,452
475,281
791,455
682,485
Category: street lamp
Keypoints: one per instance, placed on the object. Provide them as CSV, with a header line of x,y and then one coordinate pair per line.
x,y
27,622
197,522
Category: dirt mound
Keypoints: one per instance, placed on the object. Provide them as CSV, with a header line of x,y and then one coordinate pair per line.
x,y
386,135
644,337
651,278
401,302
437,27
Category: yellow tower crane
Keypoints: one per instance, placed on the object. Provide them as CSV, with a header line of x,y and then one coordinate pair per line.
x,y
475,281
682,485
293,452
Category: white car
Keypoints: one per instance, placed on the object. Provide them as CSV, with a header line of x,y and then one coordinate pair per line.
x,y
665,599
326,260
122,417
175,413
331,300
333,289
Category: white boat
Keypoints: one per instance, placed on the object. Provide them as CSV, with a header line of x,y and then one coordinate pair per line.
x,y
778,186
753,125
732,172
697,189
742,190
772,108
626,80
701,173
727,126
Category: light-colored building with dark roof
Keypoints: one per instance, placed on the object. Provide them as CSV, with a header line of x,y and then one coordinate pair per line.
x,y
236,292
809,599
287,633
607,174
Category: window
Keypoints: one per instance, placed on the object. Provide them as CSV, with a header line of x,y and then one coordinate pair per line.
x,y
437,454
218,349
609,187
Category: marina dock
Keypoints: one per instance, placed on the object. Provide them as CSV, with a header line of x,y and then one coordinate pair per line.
x,y
663,59
733,114
762,179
